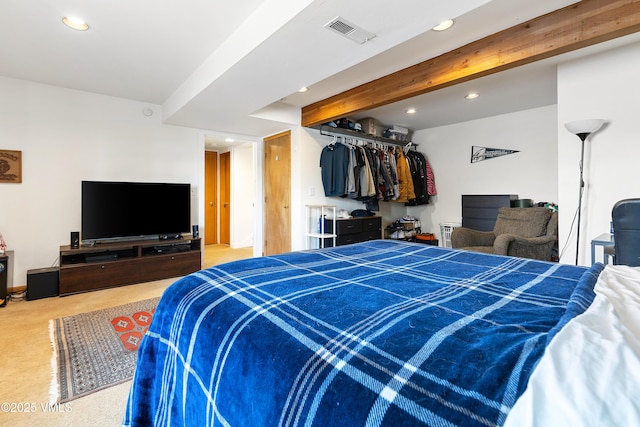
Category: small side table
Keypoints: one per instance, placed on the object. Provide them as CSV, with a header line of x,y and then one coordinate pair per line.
x,y
605,240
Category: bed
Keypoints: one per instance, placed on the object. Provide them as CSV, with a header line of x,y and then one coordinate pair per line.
x,y
380,333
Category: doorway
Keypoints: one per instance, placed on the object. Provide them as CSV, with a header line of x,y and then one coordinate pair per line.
x,y
217,171
210,197
277,192
225,198
232,207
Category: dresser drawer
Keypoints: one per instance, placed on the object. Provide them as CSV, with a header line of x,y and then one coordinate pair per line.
x,y
479,212
372,224
354,230
370,235
348,226
347,239
344,226
358,225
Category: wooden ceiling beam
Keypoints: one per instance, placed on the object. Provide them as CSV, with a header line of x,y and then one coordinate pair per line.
x,y
574,27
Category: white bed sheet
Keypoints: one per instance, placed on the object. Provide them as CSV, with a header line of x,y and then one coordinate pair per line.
x,y
590,373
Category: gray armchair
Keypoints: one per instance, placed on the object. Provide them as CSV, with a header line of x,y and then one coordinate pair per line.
x,y
521,232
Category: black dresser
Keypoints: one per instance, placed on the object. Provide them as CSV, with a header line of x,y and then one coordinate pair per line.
x,y
479,212
354,230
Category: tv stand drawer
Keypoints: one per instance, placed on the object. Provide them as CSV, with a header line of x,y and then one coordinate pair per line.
x,y
172,265
98,275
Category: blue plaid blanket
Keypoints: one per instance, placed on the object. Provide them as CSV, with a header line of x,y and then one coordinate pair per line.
x,y
377,333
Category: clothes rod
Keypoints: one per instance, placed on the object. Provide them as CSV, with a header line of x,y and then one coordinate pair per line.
x,y
339,132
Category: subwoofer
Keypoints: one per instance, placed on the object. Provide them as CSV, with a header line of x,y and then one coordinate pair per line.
x,y
42,283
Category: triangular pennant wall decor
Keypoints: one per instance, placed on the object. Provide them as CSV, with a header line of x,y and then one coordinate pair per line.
x,y
479,154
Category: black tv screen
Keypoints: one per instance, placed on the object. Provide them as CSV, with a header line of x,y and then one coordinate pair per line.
x,y
118,210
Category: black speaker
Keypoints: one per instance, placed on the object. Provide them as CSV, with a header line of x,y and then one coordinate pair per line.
x,y
4,264
42,283
195,233
75,239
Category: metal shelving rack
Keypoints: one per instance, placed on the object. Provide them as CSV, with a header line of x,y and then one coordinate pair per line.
x,y
316,215
347,133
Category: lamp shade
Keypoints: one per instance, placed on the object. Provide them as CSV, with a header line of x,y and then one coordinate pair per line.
x,y
584,126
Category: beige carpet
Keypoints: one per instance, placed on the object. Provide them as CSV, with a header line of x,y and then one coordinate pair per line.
x,y
25,356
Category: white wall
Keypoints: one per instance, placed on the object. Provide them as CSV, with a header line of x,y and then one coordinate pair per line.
x,y
243,181
68,136
530,173
602,86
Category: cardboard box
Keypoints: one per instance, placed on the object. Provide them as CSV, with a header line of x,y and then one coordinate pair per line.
x,y
371,126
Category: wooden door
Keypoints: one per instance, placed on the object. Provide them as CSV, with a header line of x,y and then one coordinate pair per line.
x,y
210,198
277,191
225,198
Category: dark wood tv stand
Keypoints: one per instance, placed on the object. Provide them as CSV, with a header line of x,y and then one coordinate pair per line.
x,y
106,265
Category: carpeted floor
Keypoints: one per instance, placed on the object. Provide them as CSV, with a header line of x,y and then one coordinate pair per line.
x,y
26,360
26,353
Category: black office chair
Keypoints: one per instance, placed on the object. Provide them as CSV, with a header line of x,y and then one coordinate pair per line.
x,y
626,232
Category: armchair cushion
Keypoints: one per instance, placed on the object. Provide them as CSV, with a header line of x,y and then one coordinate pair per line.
x,y
523,222
464,237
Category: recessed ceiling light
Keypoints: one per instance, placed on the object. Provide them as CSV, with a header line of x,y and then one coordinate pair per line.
x,y
411,111
229,140
303,89
444,25
472,95
75,23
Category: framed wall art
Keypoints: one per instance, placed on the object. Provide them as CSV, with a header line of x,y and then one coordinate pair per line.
x,y
10,166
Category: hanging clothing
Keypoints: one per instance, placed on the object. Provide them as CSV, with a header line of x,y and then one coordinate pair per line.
x,y
368,188
352,180
393,168
431,181
385,172
334,162
420,178
405,180
424,186
369,173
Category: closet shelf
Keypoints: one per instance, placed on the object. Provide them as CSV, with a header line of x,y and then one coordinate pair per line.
x,y
340,132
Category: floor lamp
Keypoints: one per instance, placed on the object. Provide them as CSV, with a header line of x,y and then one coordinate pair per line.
x,y
582,128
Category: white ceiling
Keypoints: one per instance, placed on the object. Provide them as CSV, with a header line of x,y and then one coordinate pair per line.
x,y
234,67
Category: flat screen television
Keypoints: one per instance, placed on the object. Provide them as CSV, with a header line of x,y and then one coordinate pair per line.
x,y
131,210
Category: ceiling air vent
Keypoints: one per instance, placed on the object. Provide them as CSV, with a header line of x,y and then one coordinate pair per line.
x,y
349,30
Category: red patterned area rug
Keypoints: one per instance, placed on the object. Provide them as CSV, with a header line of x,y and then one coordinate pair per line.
x,y
96,350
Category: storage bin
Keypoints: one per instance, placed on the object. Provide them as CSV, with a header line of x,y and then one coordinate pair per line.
x,y
446,228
